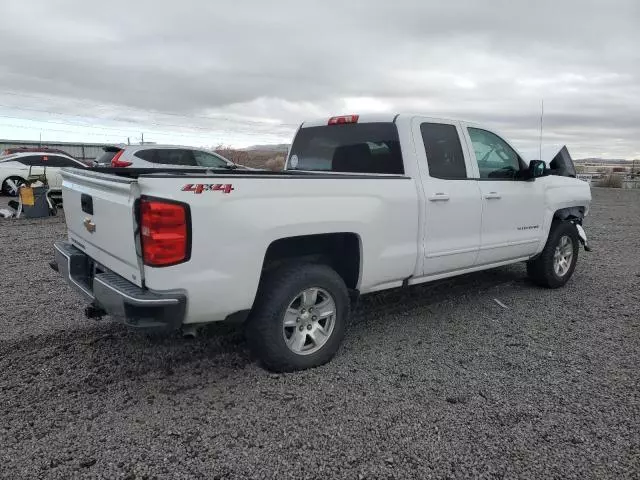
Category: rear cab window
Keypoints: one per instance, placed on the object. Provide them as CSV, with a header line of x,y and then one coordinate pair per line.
x,y
370,148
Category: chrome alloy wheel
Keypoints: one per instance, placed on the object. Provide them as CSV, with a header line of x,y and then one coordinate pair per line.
x,y
309,321
563,256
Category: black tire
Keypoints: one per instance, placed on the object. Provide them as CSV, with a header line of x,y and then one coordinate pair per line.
x,y
541,270
6,189
264,328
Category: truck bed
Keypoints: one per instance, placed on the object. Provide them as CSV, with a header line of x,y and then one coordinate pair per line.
x,y
208,172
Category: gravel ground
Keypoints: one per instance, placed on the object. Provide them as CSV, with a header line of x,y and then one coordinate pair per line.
x,y
438,381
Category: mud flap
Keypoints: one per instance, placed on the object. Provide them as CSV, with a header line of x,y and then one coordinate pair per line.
x,y
583,237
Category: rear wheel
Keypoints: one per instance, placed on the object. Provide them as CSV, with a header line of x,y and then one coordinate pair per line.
x,y
555,265
299,318
11,186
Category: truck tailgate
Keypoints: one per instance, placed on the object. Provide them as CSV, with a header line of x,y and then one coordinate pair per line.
x,y
99,211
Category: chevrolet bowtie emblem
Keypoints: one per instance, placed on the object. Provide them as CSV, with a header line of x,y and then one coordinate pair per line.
x,y
89,225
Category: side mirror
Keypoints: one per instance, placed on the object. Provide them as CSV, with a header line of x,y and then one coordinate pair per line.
x,y
536,168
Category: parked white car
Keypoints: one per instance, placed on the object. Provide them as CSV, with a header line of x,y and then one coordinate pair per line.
x,y
161,156
16,168
366,203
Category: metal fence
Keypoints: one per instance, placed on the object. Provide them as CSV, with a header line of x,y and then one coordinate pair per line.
x,y
81,151
624,181
631,184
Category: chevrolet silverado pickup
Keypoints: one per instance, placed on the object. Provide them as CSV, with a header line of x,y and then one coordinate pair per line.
x,y
365,203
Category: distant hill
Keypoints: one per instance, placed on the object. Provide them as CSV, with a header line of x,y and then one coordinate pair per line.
x,y
608,161
277,148
283,148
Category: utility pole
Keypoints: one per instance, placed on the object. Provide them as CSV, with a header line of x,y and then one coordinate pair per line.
x,y
128,141
142,138
541,118
40,142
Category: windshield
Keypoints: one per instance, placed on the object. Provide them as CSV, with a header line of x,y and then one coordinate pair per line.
x,y
351,148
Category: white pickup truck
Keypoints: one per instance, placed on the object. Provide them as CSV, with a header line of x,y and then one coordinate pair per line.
x,y
365,203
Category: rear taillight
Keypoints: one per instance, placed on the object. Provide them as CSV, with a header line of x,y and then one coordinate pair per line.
x,y
117,163
344,119
165,232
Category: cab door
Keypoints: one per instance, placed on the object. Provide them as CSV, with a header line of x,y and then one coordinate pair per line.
x,y
453,210
512,207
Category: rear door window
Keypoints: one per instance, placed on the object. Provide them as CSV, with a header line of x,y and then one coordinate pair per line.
x,y
444,151
349,148
173,156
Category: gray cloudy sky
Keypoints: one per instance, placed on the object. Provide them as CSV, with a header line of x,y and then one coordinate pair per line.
x,y
246,72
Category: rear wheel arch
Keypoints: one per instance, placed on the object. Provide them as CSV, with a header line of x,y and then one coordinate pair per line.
x,y
272,323
342,251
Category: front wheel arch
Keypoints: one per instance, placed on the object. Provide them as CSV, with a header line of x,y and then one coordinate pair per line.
x,y
570,213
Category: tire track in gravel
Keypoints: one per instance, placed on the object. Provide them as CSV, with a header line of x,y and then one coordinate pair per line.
x,y
106,341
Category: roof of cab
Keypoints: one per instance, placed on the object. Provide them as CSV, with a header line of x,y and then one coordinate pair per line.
x,y
380,117
364,118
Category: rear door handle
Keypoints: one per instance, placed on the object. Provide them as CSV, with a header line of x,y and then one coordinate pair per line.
x,y
492,195
439,197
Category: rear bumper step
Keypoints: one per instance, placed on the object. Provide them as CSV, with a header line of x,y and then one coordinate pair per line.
x,y
137,307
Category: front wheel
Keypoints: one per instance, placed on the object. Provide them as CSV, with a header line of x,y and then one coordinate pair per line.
x,y
299,318
555,265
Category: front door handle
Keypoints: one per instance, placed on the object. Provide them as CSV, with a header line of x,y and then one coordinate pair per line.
x,y
492,195
439,197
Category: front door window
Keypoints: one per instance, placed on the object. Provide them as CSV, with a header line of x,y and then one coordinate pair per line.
x,y
496,159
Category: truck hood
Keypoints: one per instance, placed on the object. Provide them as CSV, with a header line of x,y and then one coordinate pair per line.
x,y
556,157
549,152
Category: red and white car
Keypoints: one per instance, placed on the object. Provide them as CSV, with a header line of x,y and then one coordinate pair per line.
x,y
16,169
161,156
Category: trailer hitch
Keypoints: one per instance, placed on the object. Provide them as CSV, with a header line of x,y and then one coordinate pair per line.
x,y
94,311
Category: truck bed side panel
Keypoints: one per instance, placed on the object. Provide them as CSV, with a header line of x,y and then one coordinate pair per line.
x,y
232,231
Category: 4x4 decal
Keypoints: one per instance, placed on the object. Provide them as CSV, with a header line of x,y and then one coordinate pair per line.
x,y
204,187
